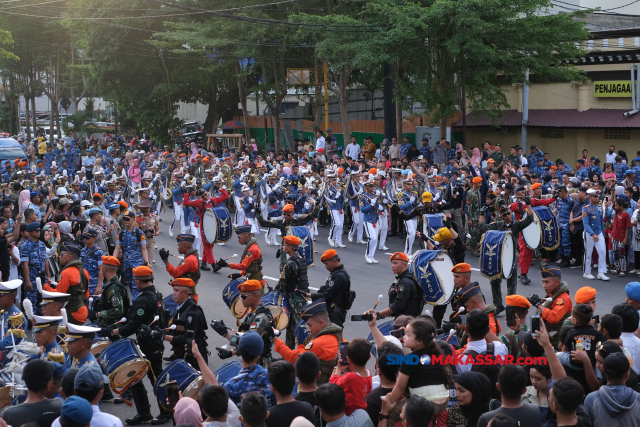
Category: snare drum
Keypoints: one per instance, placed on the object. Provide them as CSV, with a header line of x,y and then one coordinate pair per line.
x,y
124,364
98,346
278,304
497,254
307,246
231,297
532,233
216,225
189,381
432,270
453,339
385,328
302,333
227,371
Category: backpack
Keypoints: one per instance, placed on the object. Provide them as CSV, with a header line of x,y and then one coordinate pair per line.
x,y
489,371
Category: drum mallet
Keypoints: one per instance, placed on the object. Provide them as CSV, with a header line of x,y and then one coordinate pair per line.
x,y
124,319
377,302
155,318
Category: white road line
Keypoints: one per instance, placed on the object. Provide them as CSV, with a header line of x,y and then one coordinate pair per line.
x,y
273,278
388,253
475,269
263,230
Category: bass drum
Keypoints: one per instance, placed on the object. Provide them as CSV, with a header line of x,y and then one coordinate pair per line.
x,y
432,271
278,304
231,297
227,371
216,225
124,364
189,381
307,245
302,333
532,233
497,254
549,226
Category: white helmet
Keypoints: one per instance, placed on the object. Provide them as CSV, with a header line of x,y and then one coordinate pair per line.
x,y
61,191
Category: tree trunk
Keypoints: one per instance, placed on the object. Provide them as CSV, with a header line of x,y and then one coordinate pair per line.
x,y
243,103
399,120
33,108
343,100
27,122
318,90
275,113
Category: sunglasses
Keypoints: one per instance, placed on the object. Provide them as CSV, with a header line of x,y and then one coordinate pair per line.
x,y
245,296
126,218
505,214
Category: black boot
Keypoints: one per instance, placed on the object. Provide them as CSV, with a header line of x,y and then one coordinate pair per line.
x,y
499,309
163,418
564,263
524,279
139,419
203,266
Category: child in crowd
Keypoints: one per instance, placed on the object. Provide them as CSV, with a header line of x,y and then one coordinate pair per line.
x,y
357,381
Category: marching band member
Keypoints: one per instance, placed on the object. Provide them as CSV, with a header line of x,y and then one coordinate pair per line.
x,y
176,188
12,322
592,216
407,202
370,208
294,283
79,341
45,331
334,199
354,190
248,206
383,215
52,305
189,266
74,280
251,264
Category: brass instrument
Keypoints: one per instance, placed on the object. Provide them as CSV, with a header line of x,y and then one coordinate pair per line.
x,y
227,176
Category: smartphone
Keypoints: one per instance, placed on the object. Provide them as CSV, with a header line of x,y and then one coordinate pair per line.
x,y
173,394
398,333
463,319
361,317
596,317
535,324
511,316
343,353
189,341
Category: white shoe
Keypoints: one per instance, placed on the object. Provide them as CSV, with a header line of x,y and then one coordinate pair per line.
x,y
601,276
374,261
362,242
384,248
350,238
340,245
588,276
369,260
633,271
331,243
154,261
221,244
171,232
156,246
595,265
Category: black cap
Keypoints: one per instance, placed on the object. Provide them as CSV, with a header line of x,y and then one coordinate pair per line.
x,y
616,365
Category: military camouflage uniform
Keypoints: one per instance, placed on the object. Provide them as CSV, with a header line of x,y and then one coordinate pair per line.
x,y
473,212
514,340
252,379
257,321
293,277
114,303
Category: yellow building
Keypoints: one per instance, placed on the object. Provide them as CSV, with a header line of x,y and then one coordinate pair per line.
x,y
567,117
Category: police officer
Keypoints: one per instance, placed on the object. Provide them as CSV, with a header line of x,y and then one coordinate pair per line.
x,y
114,300
259,319
293,282
190,323
592,216
132,248
150,225
141,321
337,289
405,295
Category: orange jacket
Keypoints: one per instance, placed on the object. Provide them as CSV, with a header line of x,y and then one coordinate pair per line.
x,y
324,346
561,306
189,264
253,254
71,277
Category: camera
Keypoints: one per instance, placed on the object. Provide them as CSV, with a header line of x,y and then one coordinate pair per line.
x,y
361,317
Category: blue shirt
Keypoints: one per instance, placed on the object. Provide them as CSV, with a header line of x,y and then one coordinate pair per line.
x,y
250,380
34,253
592,220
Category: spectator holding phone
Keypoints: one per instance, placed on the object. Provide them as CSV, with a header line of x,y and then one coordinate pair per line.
x,y
352,374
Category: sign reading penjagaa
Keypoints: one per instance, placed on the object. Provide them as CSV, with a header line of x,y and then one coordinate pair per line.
x,y
612,89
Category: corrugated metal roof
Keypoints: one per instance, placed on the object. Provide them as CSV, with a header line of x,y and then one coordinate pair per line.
x,y
594,118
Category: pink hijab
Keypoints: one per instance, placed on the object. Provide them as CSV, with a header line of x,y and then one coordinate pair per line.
x,y
476,154
24,200
135,173
187,411
194,152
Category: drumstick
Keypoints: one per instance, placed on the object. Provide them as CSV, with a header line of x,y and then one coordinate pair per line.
x,y
377,302
124,319
156,317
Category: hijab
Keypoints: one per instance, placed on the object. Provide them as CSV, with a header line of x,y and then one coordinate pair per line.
x,y
187,411
65,229
53,236
475,156
480,388
24,200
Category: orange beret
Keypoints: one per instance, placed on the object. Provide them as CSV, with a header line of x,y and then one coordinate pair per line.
x,y
165,153
399,256
553,167
123,204
585,294
110,260
291,240
142,271
327,255
198,156
536,185
493,147
97,195
491,161
183,155
476,180
463,267
183,281
373,171
518,301
287,208
340,171
22,164
206,159
250,285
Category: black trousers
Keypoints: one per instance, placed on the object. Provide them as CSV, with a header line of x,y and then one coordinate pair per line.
x,y
577,246
396,223
139,391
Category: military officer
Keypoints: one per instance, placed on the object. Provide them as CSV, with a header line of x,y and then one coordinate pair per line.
x,y
150,225
114,299
517,310
251,258
132,248
45,330
337,289
13,323
555,311
592,216
405,294
258,319
189,267
141,321
91,257
294,283
79,341
33,256
190,322
325,339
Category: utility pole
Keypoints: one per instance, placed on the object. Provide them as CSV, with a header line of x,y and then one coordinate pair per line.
x,y
525,111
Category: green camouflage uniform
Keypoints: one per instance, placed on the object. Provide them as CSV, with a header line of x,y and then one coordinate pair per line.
x,y
473,212
513,343
114,303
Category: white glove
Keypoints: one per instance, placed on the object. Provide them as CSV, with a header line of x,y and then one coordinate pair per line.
x,y
19,357
385,201
380,208
412,199
374,200
250,199
28,347
307,205
331,201
14,367
103,182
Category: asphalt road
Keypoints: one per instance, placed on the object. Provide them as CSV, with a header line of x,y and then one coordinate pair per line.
x,y
368,280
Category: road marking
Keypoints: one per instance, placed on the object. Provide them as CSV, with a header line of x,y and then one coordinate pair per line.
x,y
388,253
262,229
273,278
475,269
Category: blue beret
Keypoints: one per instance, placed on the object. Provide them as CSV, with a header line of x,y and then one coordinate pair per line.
x,y
186,238
33,226
70,247
97,210
77,409
519,188
624,197
251,343
58,369
630,172
90,377
580,160
467,292
34,194
551,272
329,130
448,175
89,233
114,206
633,290
310,310
243,229
637,159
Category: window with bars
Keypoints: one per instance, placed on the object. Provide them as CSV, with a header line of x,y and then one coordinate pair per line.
x,y
617,133
554,133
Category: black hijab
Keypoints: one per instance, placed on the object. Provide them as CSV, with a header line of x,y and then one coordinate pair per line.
x,y
480,387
